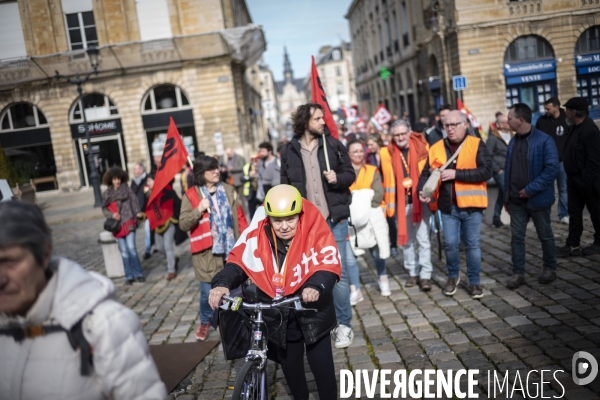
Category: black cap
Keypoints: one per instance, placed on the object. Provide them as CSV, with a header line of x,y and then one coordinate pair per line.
x,y
577,103
419,127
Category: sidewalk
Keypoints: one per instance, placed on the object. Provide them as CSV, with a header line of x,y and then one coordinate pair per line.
x,y
534,327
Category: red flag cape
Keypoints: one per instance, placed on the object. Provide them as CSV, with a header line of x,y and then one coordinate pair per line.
x,y
318,96
173,159
313,249
474,123
161,208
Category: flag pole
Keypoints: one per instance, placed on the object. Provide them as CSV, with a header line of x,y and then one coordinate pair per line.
x,y
325,151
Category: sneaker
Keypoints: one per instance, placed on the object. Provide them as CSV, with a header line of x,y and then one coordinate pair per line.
x,y
343,336
568,251
356,297
384,286
475,291
451,285
564,220
547,276
498,224
591,250
140,279
515,281
202,332
147,256
171,276
394,252
425,285
412,281
129,282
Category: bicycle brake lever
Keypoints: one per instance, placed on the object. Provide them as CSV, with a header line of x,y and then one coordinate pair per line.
x,y
299,307
225,305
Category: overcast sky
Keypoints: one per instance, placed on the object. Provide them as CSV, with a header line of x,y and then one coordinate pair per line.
x,y
301,25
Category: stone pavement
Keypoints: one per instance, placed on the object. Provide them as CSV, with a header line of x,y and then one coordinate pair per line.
x,y
533,328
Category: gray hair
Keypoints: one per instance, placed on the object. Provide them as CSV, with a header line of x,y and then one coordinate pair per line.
x,y
141,165
401,122
24,225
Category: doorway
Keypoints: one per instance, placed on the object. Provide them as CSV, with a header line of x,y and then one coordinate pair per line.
x,y
107,152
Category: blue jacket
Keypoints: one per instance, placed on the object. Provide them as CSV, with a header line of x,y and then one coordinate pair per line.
x,y
543,170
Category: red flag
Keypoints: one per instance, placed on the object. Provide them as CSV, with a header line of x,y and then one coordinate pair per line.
x,y
382,115
318,96
474,123
173,159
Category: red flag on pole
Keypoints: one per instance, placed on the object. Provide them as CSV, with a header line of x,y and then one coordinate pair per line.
x,y
474,123
318,96
173,159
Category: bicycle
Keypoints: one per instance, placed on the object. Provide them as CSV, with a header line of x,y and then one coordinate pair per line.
x,y
251,382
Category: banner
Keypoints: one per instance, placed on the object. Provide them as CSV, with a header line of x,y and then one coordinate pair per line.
x,y
318,96
382,115
474,123
173,159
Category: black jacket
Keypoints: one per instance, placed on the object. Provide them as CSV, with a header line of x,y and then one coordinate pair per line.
x,y
582,154
557,128
482,173
434,134
138,190
338,195
283,322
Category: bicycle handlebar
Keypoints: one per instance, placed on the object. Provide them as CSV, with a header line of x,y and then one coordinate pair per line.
x,y
235,303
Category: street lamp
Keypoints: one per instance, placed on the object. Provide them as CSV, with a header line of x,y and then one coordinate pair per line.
x,y
92,53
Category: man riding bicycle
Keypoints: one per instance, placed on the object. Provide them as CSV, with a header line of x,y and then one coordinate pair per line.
x,y
307,263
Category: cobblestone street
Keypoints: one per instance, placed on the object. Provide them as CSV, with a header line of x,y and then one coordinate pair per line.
x,y
532,328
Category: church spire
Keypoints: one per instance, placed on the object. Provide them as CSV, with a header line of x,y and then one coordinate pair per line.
x,y
287,67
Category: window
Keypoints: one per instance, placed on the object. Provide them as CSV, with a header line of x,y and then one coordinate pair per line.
x,y
340,88
405,24
164,97
338,71
97,107
153,19
322,73
12,42
336,55
81,30
22,116
589,41
528,48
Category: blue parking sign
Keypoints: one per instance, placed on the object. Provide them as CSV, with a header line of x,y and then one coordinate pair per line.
x,y
459,82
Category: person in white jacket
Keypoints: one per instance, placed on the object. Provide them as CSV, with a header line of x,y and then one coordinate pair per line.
x,y
62,333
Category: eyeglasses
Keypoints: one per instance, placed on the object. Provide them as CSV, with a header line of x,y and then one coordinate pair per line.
x,y
401,134
452,125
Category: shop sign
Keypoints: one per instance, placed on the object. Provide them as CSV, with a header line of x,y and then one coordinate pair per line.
x,y
587,59
529,68
96,128
530,78
589,70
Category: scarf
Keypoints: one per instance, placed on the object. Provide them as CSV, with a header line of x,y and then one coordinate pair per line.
x,y
312,249
417,150
124,197
221,221
140,179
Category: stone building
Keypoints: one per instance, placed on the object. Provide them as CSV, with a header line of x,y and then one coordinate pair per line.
x,y
509,51
334,64
270,100
157,59
290,93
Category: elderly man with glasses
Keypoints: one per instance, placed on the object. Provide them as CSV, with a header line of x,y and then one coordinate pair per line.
x,y
461,197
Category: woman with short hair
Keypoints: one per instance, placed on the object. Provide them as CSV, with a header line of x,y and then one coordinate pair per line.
x,y
119,202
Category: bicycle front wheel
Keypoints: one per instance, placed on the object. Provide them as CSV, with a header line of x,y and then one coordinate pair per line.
x,y
251,382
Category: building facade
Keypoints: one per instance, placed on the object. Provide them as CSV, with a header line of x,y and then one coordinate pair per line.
x,y
290,93
509,51
159,59
270,101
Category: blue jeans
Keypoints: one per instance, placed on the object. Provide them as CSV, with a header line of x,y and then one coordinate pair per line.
x,y
147,238
465,226
379,263
341,291
499,178
563,199
205,310
131,261
519,217
352,266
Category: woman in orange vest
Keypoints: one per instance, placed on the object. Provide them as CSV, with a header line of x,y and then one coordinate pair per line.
x,y
368,178
212,213
380,157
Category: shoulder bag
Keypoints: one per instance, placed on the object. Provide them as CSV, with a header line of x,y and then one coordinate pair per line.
x,y
434,179
111,224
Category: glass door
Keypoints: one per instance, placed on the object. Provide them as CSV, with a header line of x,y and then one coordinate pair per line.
x,y
107,152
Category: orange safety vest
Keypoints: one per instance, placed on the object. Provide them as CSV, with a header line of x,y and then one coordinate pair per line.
x,y
200,235
364,179
388,182
467,194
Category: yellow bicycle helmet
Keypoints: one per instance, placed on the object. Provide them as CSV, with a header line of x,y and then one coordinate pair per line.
x,y
283,201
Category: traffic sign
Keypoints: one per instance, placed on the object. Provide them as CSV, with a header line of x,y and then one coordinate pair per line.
x,y
459,82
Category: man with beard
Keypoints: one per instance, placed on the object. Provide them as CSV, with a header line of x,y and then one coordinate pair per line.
x,y
267,170
554,123
318,166
582,165
437,132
